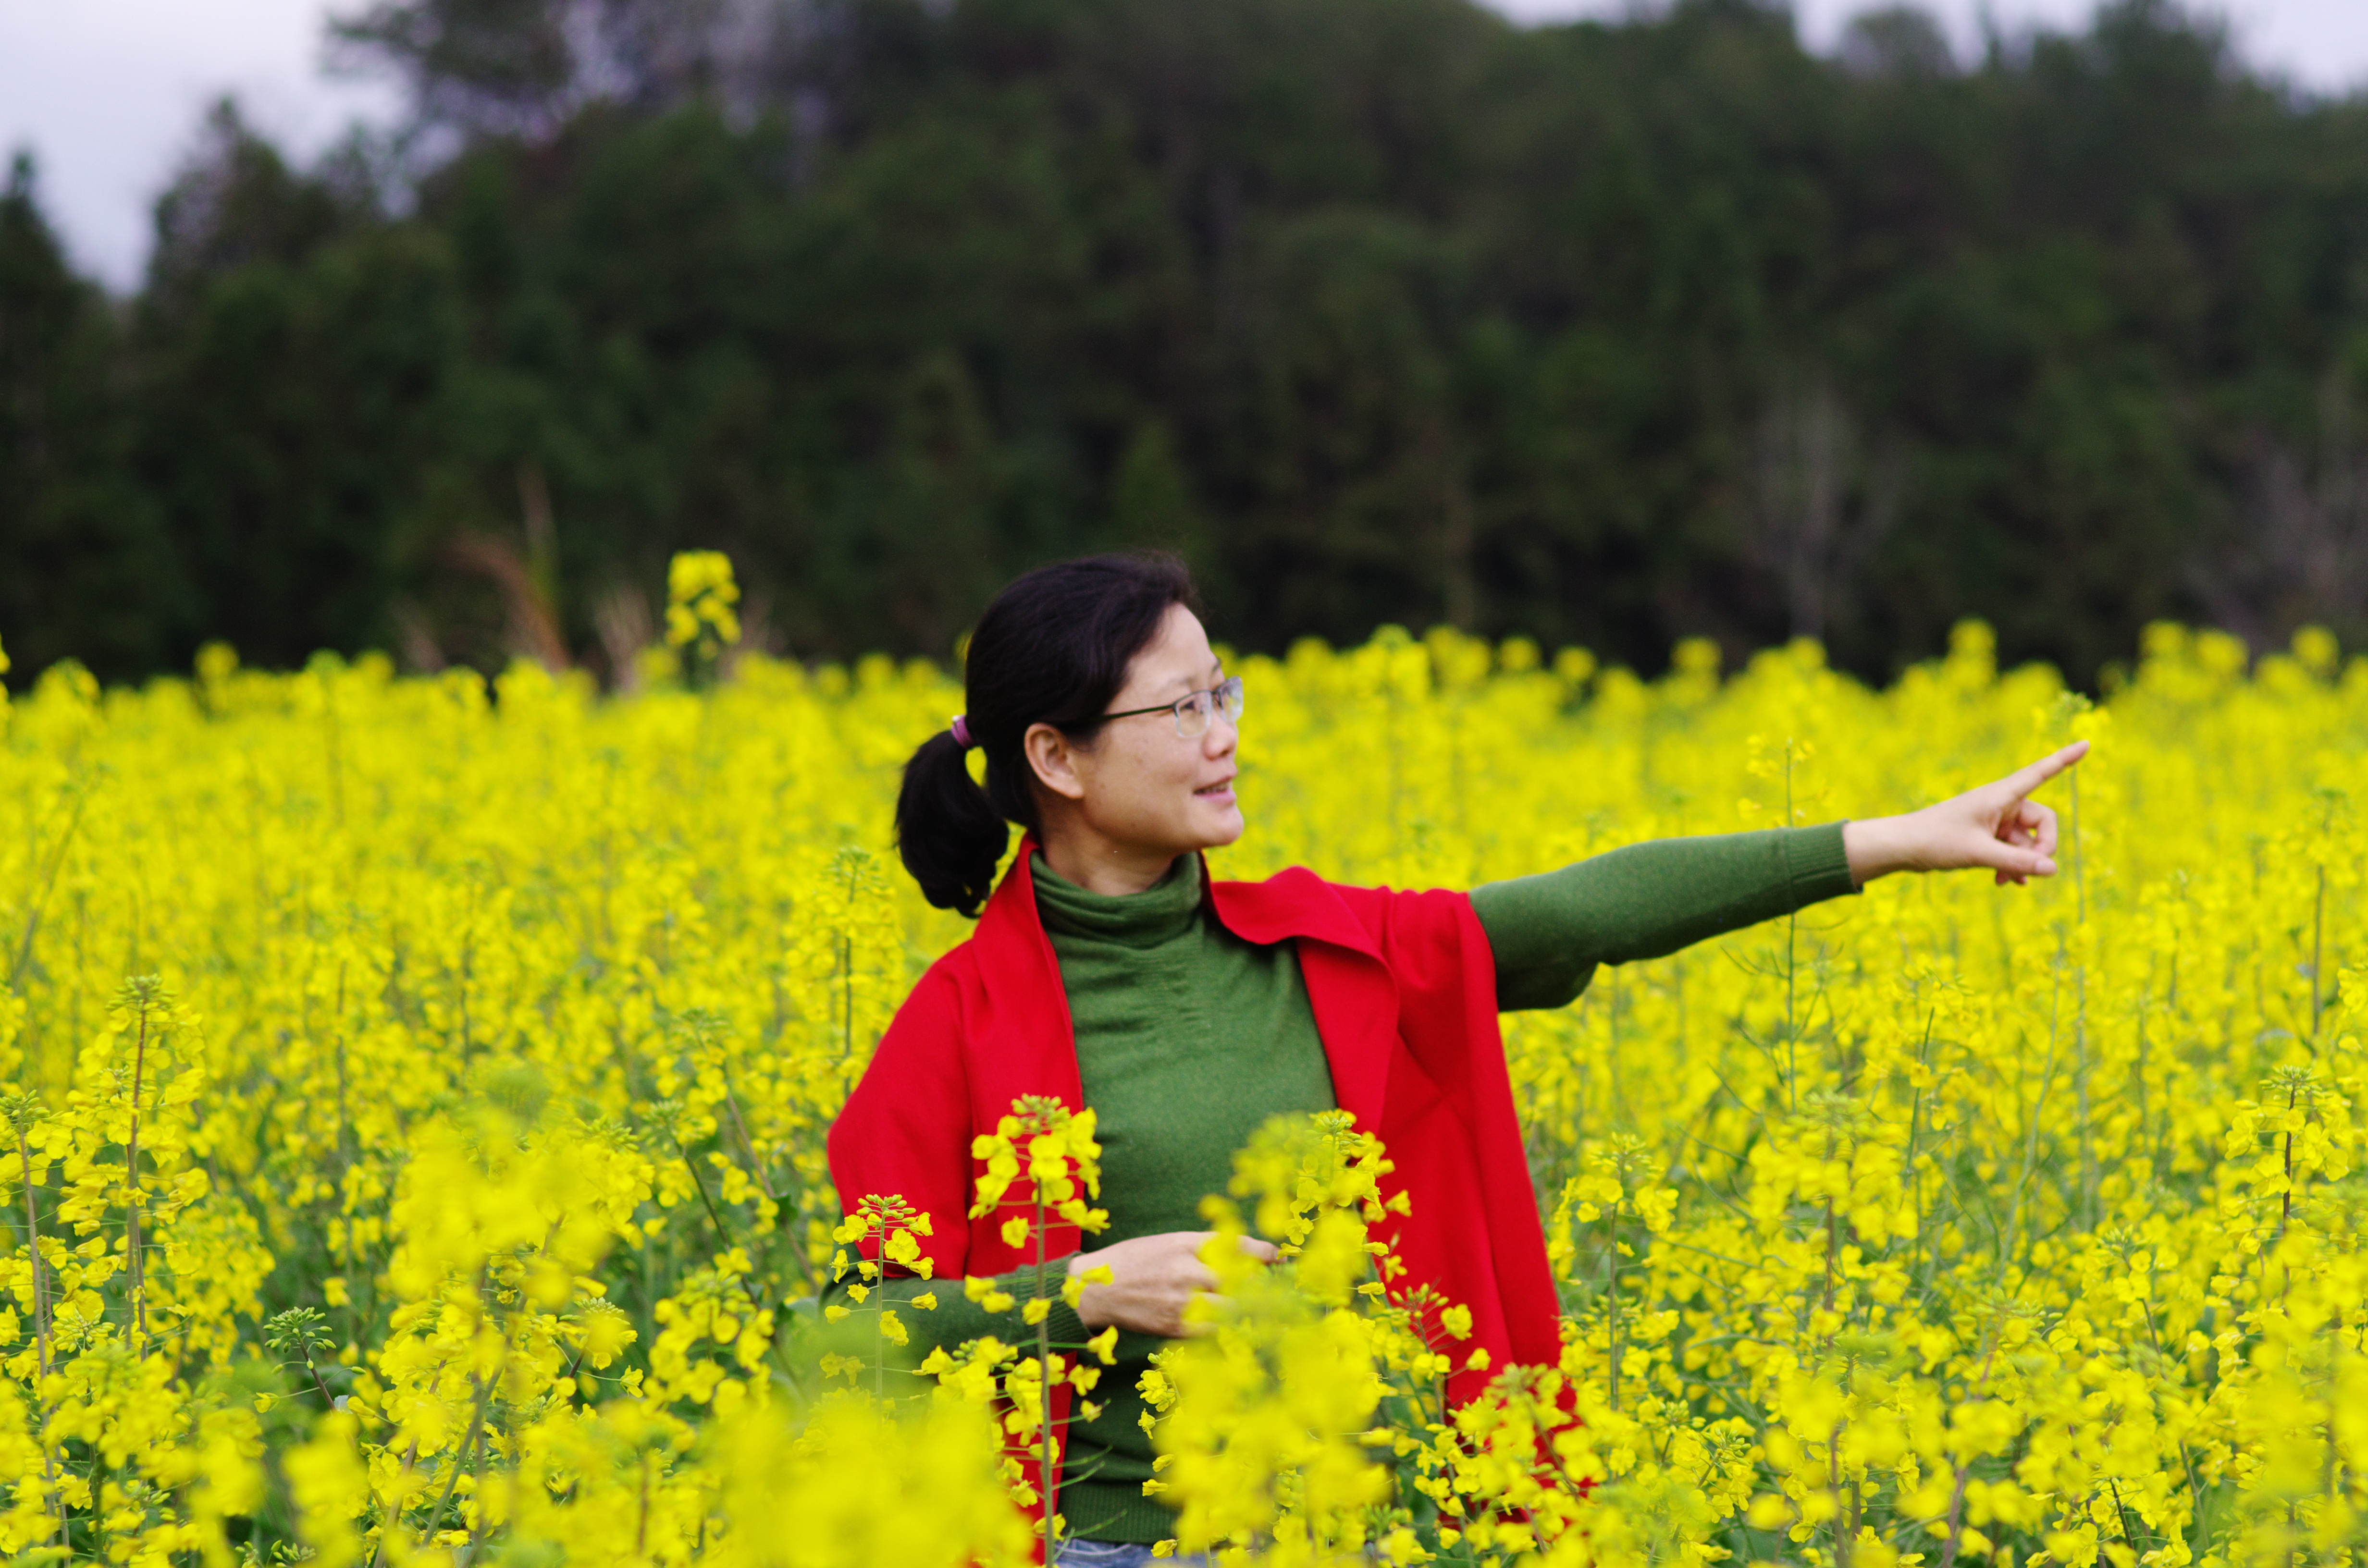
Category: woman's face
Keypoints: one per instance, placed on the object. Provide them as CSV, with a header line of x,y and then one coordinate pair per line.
x,y
1137,787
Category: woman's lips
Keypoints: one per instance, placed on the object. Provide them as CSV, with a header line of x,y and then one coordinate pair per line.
x,y
1221,792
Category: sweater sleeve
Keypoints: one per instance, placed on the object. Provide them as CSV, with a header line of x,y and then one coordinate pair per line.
x,y
1549,931
958,1319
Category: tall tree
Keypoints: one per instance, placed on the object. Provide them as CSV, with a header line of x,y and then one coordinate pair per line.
x,y
87,570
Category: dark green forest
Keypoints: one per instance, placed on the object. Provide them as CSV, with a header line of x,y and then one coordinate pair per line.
x,y
1376,310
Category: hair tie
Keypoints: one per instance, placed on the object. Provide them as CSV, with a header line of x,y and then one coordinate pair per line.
x,y
961,728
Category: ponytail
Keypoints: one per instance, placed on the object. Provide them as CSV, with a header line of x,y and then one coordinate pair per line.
x,y
949,834
1052,649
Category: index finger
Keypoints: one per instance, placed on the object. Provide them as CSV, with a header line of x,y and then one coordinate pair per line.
x,y
1261,1250
2023,780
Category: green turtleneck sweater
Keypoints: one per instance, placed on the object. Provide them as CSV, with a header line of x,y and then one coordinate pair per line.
x,y
1190,1039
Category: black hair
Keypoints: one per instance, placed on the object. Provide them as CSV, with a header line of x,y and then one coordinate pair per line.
x,y
1052,649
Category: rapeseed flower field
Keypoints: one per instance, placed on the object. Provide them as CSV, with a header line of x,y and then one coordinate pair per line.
x,y
416,1090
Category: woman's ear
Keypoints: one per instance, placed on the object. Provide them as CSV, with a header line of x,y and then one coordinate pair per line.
x,y
1052,757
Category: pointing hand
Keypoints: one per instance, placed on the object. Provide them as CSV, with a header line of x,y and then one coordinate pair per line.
x,y
1998,826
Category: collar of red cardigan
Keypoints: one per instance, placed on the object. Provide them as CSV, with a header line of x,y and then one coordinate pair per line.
x,y
1292,905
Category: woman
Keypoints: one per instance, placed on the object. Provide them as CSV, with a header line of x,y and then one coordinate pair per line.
x,y
1106,972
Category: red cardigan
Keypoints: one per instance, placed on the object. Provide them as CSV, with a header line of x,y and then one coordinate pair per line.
x,y
1403,987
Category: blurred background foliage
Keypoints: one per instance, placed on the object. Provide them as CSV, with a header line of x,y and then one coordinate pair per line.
x,y
1377,309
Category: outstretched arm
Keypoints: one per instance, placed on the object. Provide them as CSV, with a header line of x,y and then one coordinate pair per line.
x,y
1997,827
1550,932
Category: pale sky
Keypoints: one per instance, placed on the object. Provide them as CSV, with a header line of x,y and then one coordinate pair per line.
x,y
107,93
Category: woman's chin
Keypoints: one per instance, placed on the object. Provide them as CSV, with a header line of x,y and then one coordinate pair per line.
x,y
1219,825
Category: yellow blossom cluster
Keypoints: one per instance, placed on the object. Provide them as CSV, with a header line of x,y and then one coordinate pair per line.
x,y
416,1092
701,592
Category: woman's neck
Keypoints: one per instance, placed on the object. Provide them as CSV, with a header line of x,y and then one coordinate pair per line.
x,y
1098,863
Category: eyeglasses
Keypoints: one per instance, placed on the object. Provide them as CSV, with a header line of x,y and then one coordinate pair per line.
x,y
1194,710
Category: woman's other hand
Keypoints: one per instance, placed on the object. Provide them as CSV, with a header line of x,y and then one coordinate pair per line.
x,y
1152,1277
1997,827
